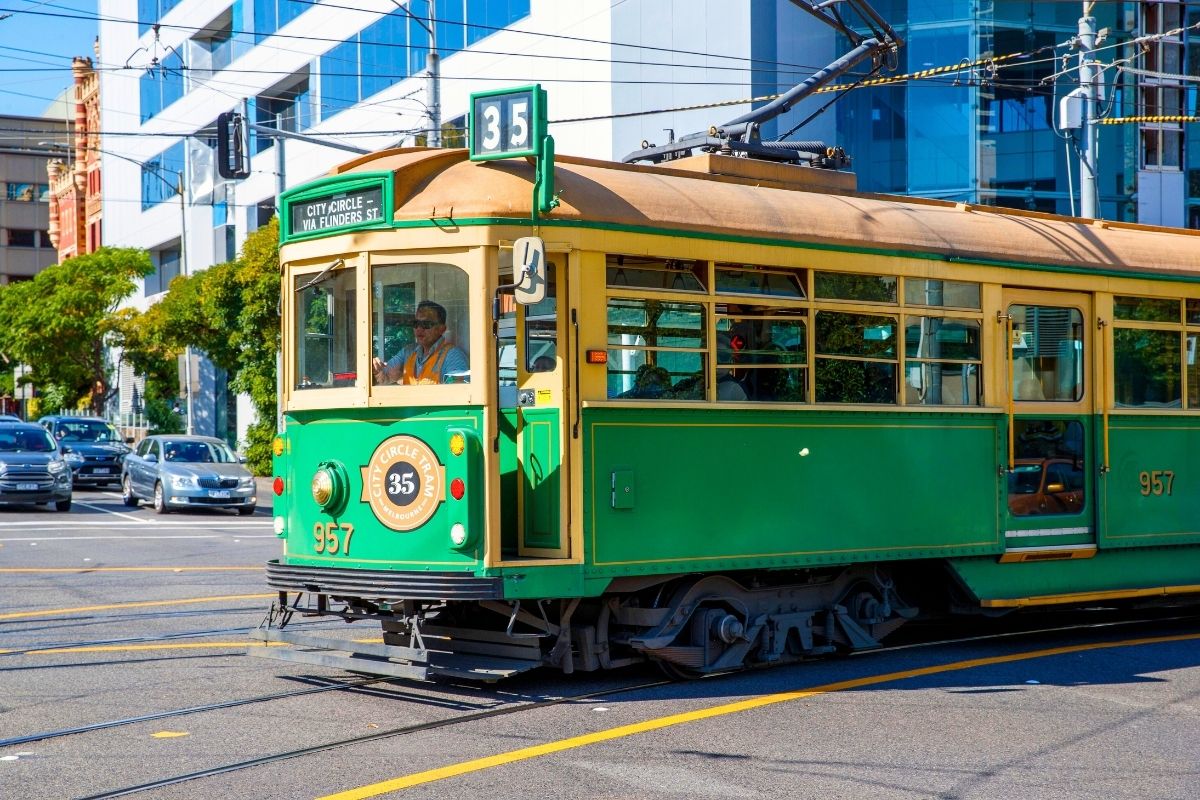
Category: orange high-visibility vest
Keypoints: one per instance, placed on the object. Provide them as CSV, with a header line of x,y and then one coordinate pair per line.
x,y
432,371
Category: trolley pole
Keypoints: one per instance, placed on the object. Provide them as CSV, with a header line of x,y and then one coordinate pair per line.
x,y
1089,81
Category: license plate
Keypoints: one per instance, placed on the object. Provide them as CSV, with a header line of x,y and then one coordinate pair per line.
x,y
220,494
27,487
101,471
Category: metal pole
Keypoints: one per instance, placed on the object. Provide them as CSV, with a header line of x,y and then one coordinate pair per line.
x,y
183,267
1088,75
433,64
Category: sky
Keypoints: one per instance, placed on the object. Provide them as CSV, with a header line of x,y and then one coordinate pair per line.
x,y
36,50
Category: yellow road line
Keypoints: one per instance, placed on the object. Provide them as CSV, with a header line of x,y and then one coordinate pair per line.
x,y
120,648
142,604
454,770
37,570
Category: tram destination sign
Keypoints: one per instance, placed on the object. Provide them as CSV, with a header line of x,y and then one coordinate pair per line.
x,y
342,210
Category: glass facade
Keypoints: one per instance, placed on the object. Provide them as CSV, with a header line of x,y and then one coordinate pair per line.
x,y
161,176
988,135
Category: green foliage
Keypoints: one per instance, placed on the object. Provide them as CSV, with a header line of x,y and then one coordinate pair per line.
x,y
58,322
230,312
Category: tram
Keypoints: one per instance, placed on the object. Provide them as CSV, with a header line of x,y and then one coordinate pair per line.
x,y
751,415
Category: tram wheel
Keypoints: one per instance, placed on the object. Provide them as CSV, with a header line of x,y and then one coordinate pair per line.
x,y
676,672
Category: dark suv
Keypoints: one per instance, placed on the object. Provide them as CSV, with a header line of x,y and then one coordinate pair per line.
x,y
32,469
91,446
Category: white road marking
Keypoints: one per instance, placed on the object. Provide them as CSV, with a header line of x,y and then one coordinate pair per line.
x,y
114,513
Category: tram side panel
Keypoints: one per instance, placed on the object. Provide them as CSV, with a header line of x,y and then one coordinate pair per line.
x,y
673,490
1152,491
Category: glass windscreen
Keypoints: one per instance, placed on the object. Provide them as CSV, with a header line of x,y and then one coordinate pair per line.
x,y
87,430
420,324
325,329
193,452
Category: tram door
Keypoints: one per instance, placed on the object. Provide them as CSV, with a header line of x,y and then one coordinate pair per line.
x,y
1050,464
533,424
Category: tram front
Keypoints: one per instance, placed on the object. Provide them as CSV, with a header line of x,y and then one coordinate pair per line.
x,y
388,462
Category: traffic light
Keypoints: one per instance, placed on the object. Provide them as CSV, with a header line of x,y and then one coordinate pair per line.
x,y
233,146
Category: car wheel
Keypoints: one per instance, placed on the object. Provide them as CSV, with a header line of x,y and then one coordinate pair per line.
x,y
63,505
245,511
127,496
160,500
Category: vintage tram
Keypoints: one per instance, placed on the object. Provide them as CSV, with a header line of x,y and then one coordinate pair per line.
x,y
755,416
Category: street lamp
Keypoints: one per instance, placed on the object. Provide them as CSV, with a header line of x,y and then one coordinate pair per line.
x,y
177,188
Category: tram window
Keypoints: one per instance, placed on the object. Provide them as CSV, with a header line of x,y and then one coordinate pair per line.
x,y
1047,477
763,349
1145,309
541,328
942,361
668,275
325,329
656,350
942,294
420,324
846,286
1192,370
745,279
1147,373
856,355
1047,353
1193,312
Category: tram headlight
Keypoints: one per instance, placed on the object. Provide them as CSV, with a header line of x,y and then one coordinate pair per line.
x,y
280,526
330,486
459,536
322,487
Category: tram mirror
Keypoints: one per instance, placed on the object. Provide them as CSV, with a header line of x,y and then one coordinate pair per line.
x,y
529,269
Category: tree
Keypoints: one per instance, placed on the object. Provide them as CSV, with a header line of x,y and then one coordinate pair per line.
x,y
58,322
230,312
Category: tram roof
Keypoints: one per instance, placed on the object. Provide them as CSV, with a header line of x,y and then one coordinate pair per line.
x,y
775,205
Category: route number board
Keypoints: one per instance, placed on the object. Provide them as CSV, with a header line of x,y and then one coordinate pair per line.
x,y
508,123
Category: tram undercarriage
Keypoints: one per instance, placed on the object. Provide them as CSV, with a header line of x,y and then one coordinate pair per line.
x,y
689,625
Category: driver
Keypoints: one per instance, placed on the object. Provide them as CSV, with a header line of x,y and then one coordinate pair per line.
x,y
431,358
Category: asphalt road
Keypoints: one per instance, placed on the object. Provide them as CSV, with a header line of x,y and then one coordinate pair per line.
x,y
109,614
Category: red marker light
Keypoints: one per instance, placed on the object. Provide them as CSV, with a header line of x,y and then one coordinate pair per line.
x,y
277,486
597,356
457,488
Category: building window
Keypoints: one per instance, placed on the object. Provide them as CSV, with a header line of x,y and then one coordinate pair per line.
x,y
24,237
28,192
161,85
287,106
160,176
166,267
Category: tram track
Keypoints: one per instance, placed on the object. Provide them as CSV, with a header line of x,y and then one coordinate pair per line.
x,y
485,714
404,730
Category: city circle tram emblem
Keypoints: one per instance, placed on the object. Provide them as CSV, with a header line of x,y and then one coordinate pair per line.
x,y
403,482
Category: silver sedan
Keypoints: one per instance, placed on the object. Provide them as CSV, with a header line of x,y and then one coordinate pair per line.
x,y
177,471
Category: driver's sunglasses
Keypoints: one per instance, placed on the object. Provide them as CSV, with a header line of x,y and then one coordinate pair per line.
x,y
424,324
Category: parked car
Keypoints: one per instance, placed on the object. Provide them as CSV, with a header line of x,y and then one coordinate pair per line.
x,y
32,468
1046,486
9,418
92,446
179,471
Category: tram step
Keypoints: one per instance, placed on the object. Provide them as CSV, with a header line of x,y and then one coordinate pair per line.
x,y
377,659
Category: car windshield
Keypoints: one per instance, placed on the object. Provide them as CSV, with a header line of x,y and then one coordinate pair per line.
x,y
1025,479
198,452
87,430
35,441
